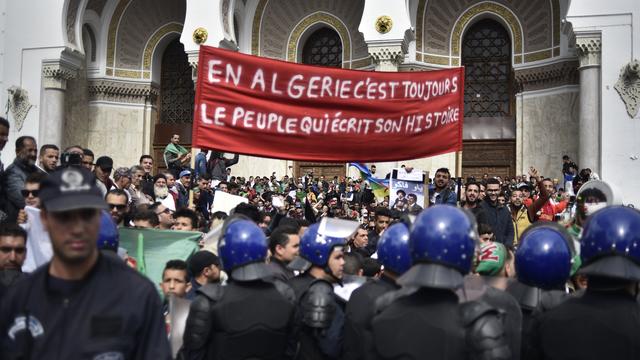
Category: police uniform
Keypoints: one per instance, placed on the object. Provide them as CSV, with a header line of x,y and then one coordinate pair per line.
x,y
393,252
604,322
424,319
249,318
543,266
113,312
319,319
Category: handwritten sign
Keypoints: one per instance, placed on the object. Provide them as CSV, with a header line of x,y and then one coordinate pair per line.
x,y
259,106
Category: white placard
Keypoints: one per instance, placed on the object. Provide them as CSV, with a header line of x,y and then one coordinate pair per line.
x,y
223,201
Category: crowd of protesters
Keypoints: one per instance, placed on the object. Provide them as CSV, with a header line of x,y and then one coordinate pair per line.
x,y
284,208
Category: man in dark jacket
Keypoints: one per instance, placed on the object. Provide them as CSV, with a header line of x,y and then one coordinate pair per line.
x,y
498,216
16,174
442,194
284,244
218,164
4,136
83,304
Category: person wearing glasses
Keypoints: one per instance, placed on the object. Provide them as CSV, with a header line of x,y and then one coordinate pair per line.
x,y
30,193
165,215
117,201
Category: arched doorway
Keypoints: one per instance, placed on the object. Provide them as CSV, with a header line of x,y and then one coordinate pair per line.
x,y
489,116
177,96
323,47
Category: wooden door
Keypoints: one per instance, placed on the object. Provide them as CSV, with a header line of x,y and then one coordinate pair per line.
x,y
328,170
492,157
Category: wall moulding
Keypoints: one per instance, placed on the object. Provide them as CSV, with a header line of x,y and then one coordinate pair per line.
x,y
123,92
547,76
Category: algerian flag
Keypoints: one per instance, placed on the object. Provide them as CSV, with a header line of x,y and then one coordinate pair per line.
x,y
152,248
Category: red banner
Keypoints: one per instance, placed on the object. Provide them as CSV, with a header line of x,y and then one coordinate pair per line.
x,y
264,107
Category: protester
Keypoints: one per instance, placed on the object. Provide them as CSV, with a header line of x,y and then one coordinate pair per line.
x,y
48,158
204,267
16,174
176,157
284,245
13,252
96,285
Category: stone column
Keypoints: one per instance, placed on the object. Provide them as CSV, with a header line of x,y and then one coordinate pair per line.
x,y
588,46
52,115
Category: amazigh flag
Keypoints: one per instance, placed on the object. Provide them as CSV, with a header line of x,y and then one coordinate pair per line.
x,y
152,248
379,187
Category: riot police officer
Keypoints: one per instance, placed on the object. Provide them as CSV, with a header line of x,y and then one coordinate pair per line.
x,y
424,319
215,329
604,323
543,265
320,313
393,252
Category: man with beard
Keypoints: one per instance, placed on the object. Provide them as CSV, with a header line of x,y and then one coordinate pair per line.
x,y
117,200
442,194
161,192
16,175
165,215
48,159
498,216
472,202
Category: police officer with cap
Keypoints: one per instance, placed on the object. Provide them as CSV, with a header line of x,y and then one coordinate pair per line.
x,y
320,313
604,323
250,317
83,304
424,319
393,252
543,266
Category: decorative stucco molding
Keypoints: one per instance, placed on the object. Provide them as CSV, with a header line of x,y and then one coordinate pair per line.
x,y
55,74
387,57
544,77
589,47
122,92
628,86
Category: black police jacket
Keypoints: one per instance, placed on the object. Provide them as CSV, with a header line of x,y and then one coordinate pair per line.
x,y
427,323
114,313
598,325
241,320
319,323
358,339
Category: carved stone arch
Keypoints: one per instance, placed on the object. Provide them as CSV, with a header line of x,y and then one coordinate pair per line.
x,y
538,20
155,47
308,26
133,25
482,11
274,22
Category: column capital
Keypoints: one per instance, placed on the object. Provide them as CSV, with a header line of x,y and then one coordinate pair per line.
x,y
55,73
589,48
387,57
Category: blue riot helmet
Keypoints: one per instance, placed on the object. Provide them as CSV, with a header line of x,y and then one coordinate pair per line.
x,y
319,241
442,243
393,249
610,244
243,249
543,259
108,237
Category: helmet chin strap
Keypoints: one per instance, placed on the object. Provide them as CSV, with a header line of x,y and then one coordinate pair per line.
x,y
328,271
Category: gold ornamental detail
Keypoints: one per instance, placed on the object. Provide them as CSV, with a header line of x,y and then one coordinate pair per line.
x,y
200,35
384,24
